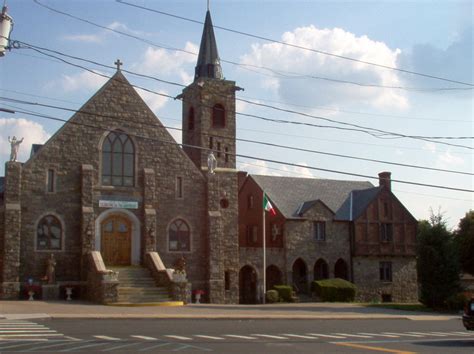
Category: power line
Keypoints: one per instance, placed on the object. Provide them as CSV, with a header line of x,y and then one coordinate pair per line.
x,y
253,157
287,74
295,45
246,140
377,133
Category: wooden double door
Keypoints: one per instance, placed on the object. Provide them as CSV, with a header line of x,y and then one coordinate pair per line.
x,y
116,240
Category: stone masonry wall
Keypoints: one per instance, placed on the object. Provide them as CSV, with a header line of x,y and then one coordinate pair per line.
x,y
402,288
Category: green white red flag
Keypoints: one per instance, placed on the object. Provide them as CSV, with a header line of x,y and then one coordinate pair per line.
x,y
267,205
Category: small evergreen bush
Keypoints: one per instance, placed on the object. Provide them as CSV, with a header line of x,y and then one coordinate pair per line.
x,y
284,292
334,290
272,296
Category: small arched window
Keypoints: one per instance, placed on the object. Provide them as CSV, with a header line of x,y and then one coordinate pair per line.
x,y
118,160
179,236
218,116
191,119
49,234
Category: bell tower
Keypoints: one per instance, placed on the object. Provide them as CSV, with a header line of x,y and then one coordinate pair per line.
x,y
209,107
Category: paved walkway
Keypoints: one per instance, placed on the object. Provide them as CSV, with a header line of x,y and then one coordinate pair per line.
x,y
79,309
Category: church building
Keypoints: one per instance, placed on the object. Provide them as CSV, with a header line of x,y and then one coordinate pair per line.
x,y
112,188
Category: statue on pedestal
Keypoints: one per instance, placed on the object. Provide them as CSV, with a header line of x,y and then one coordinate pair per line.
x,y
51,270
15,145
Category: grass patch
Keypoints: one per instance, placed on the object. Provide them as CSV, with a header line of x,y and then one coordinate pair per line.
x,y
403,307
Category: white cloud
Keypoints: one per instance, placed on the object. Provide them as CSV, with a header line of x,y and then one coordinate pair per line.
x,y
84,80
447,160
303,90
32,132
429,146
102,35
262,168
155,102
161,62
88,38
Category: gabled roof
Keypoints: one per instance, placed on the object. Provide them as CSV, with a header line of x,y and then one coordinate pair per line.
x,y
305,206
288,193
208,64
360,200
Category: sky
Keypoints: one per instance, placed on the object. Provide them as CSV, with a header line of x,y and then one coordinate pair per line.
x,y
434,38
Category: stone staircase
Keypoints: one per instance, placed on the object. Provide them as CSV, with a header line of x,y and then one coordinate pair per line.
x,y
136,286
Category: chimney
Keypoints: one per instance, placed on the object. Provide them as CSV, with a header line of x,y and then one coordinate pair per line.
x,y
384,180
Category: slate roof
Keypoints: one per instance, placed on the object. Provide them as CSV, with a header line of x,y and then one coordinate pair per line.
x,y
290,193
360,201
208,64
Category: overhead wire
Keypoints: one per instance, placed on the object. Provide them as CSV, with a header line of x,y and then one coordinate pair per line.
x,y
294,148
293,45
246,66
378,133
250,156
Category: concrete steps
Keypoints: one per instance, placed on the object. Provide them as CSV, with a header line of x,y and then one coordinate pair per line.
x,y
137,287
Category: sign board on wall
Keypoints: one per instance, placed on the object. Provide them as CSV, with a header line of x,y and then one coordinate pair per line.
x,y
121,204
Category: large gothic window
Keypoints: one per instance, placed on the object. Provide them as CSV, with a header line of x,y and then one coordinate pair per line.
x,y
118,160
218,116
49,234
179,236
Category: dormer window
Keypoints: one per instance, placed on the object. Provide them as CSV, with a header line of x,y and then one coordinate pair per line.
x,y
218,116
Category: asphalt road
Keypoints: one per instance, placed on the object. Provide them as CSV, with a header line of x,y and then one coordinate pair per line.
x,y
235,336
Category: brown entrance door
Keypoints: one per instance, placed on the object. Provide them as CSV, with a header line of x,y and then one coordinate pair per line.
x,y
116,240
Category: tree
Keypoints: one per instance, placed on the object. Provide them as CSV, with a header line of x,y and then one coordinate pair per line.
x,y
437,262
465,238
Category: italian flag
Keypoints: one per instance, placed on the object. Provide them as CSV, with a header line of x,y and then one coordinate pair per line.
x,y
267,205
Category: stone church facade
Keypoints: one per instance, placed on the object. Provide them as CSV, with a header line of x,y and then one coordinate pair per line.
x,y
113,180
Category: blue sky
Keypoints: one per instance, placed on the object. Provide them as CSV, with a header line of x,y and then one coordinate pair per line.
x,y
431,37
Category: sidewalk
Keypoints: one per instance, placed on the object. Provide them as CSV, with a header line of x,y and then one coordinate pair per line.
x,y
79,309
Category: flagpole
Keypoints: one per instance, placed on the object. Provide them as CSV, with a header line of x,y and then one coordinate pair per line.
x,y
264,255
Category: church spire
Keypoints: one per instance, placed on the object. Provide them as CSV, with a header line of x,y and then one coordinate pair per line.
x,y
208,64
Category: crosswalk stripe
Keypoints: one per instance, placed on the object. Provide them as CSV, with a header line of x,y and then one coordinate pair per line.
x,y
30,331
326,335
32,335
464,333
428,334
145,337
240,337
208,337
178,337
107,338
23,327
269,336
298,336
380,335
353,335
402,334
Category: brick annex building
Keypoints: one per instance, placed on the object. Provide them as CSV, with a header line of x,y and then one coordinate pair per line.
x,y
112,188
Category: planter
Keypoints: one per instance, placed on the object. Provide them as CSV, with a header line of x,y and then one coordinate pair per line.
x,y
68,293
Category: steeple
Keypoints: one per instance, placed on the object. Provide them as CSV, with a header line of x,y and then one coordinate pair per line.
x,y
208,64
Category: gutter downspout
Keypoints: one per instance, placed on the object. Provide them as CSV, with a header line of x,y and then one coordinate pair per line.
x,y
351,237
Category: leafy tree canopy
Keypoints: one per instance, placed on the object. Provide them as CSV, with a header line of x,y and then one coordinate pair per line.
x,y
465,238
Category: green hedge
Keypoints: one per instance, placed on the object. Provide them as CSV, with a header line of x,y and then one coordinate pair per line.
x,y
334,290
272,296
284,292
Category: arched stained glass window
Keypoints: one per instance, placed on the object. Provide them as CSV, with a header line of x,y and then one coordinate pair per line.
x,y
49,233
118,160
179,236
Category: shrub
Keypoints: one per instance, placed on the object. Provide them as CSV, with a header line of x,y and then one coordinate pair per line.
x,y
284,292
456,302
272,296
334,290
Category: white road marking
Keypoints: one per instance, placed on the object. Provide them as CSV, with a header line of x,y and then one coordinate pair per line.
x,y
464,333
268,336
208,337
402,334
326,335
145,337
380,335
298,336
352,335
107,338
32,335
428,334
30,331
237,336
178,337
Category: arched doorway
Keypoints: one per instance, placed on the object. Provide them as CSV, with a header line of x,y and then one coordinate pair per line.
x,y
340,269
321,270
300,281
116,240
273,277
248,285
